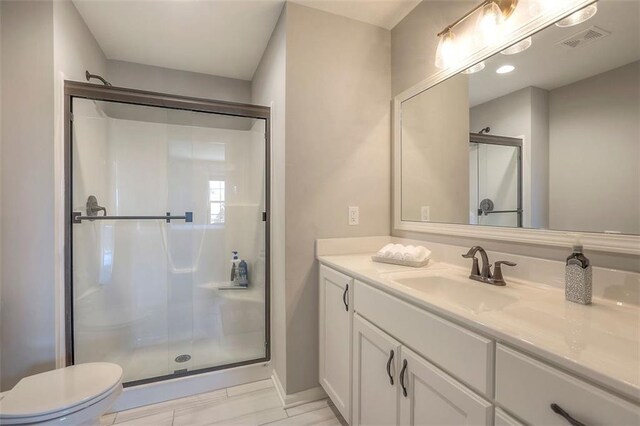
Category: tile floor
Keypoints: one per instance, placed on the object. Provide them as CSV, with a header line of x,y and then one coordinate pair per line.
x,y
251,404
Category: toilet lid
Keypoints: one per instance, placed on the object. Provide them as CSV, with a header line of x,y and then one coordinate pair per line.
x,y
59,390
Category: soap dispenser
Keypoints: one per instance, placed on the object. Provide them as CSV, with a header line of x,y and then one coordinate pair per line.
x,y
578,277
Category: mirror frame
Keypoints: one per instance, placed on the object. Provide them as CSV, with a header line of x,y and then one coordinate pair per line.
x,y
614,243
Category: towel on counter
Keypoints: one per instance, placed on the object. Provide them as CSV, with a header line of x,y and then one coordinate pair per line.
x,y
408,253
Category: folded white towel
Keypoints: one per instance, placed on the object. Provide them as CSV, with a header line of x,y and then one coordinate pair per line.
x,y
410,253
423,253
407,253
385,251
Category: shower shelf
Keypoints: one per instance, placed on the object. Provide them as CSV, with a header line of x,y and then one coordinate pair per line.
x,y
76,217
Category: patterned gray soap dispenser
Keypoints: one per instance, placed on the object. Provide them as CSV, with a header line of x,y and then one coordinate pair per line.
x,y
578,277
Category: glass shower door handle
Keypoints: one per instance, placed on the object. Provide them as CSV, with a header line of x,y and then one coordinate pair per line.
x,y
76,217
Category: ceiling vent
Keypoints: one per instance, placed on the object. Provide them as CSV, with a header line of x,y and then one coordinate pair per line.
x,y
584,37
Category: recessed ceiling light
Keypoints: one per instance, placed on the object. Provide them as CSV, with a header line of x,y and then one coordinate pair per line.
x,y
579,16
475,68
505,69
518,47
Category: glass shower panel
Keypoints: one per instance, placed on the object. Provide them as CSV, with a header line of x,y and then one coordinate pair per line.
x,y
154,296
494,184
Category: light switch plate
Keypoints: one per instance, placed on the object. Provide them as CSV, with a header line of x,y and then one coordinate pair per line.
x,y
354,215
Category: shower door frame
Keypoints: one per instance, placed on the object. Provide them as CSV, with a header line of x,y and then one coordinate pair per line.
x,y
487,139
96,92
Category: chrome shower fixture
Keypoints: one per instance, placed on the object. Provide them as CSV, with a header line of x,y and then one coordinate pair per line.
x,y
89,76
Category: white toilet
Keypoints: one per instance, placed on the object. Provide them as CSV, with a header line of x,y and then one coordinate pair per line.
x,y
76,395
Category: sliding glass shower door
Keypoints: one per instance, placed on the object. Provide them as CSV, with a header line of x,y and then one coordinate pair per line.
x,y
495,180
160,198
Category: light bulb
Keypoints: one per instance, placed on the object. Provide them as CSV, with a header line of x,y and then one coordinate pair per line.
x,y
447,52
579,16
475,68
521,46
505,69
488,23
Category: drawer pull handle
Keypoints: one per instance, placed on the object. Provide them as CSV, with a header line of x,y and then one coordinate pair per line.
x,y
344,298
391,354
404,369
573,422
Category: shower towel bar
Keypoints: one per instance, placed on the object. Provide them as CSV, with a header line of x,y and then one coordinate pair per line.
x,y
76,217
481,212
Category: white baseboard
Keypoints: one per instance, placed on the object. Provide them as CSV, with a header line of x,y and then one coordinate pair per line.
x,y
298,398
152,393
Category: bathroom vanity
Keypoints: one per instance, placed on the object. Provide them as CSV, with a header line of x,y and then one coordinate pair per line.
x,y
402,345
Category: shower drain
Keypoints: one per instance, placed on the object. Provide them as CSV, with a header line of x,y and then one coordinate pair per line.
x,y
183,358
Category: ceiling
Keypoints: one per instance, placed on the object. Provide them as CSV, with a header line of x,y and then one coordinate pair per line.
x,y
219,37
549,66
222,37
382,13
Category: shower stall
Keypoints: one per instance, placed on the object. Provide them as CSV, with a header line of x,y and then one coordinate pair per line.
x,y
160,189
495,180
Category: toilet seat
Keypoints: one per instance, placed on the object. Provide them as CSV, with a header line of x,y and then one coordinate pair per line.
x,y
60,392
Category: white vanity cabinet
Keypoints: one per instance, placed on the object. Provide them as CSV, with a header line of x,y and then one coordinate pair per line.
x,y
434,398
335,291
392,385
385,361
375,375
527,388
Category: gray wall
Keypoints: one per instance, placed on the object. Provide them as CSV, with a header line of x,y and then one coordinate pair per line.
x,y
42,41
27,308
595,154
1,204
337,155
435,153
269,88
75,50
164,80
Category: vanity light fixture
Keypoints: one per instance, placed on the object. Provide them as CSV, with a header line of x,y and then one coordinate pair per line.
x,y
521,46
489,22
579,16
492,14
447,52
475,68
505,69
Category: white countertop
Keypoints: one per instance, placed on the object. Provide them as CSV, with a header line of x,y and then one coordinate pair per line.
x,y
600,342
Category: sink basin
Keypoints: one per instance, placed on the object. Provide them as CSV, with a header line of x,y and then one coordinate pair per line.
x,y
456,290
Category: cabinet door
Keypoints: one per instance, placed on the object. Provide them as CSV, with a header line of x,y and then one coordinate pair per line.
x,y
335,337
504,419
375,375
434,398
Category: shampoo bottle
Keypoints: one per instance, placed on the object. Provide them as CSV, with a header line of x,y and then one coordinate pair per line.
x,y
578,279
243,274
235,262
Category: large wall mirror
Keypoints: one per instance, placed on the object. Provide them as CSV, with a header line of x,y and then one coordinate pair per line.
x,y
546,138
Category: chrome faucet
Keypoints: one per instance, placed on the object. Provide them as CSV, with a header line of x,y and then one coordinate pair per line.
x,y
484,275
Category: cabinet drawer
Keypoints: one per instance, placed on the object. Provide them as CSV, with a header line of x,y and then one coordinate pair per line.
x,y
463,354
527,388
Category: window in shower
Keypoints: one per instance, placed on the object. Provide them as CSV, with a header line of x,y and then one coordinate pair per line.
x,y
147,275
216,202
